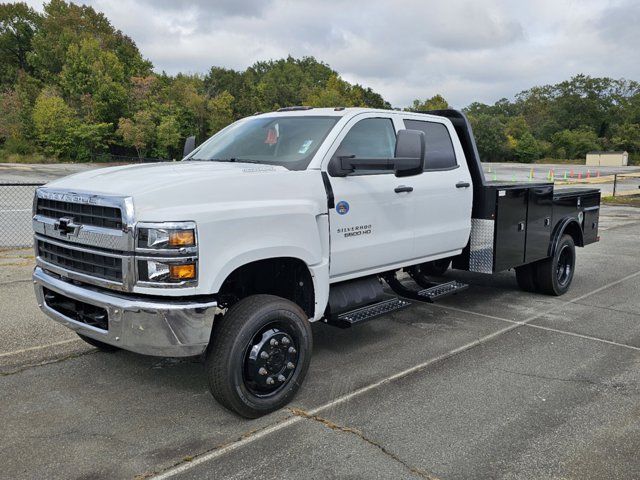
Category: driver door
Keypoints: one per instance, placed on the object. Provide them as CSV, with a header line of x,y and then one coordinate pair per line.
x,y
371,225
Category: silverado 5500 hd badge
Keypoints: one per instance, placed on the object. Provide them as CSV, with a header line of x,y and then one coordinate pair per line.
x,y
355,231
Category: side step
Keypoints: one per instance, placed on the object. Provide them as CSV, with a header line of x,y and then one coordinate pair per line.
x,y
436,292
431,294
362,314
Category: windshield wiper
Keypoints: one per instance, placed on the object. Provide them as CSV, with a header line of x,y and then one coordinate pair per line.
x,y
233,159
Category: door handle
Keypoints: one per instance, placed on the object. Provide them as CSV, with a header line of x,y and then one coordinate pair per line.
x,y
403,188
463,185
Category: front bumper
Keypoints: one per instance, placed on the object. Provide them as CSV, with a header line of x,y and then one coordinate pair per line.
x,y
147,326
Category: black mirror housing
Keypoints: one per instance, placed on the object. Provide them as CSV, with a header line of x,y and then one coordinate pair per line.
x,y
409,155
189,145
408,158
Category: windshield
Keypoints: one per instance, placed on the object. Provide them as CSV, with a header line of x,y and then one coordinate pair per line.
x,y
287,141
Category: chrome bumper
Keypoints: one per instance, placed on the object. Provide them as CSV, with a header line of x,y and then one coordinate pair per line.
x,y
146,326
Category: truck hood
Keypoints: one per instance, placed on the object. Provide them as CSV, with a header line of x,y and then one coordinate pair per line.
x,y
197,190
137,180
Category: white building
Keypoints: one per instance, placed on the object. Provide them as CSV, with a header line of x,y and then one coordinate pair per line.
x,y
607,159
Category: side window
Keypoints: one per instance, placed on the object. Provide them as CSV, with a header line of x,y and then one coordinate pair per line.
x,y
370,138
439,151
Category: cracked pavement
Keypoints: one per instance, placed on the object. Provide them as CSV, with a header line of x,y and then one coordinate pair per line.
x,y
460,389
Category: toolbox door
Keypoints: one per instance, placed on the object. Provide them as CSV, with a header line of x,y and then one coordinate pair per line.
x,y
539,223
511,226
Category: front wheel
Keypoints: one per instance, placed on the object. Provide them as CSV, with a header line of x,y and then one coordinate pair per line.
x,y
554,275
259,355
436,268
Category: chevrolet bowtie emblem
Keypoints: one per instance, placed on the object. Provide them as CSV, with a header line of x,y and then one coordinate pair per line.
x,y
66,226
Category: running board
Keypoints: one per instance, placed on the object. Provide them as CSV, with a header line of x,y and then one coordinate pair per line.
x,y
431,294
362,314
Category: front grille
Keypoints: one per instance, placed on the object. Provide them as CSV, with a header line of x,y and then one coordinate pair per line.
x,y
77,310
82,213
94,264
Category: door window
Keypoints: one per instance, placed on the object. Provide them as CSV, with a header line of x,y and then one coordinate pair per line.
x,y
439,149
369,138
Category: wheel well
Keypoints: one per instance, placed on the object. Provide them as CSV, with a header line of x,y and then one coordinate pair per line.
x,y
285,277
575,231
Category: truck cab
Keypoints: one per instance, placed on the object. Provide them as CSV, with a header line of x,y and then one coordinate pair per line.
x,y
286,218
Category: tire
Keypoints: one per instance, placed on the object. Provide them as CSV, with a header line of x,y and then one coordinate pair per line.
x,y
526,277
554,275
436,268
103,347
239,375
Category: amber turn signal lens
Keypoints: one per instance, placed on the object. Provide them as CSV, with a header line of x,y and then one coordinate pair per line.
x,y
182,238
186,271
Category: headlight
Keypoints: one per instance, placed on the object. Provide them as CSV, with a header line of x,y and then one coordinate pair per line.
x,y
167,254
166,238
166,271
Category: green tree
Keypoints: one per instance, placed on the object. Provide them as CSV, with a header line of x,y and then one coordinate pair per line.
x,y
576,143
89,139
335,93
220,111
18,25
437,102
65,23
167,136
53,119
491,138
527,149
138,132
626,137
94,80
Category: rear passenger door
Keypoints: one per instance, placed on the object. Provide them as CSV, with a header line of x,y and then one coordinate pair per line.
x,y
442,194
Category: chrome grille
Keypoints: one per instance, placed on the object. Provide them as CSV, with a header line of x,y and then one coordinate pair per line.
x,y
86,262
85,214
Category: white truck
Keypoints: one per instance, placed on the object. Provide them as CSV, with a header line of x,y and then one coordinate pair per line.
x,y
287,218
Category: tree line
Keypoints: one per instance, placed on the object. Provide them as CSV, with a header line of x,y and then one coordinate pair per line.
x,y
72,87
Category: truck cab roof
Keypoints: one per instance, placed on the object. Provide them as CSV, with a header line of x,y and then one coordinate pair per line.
x,y
347,112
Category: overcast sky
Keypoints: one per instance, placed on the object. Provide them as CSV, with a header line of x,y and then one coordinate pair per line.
x,y
465,50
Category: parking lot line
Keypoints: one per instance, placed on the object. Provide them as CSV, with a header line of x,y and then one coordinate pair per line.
x,y
38,347
560,305
220,451
246,440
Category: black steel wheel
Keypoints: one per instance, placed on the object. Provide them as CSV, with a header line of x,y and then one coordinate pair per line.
x,y
103,347
259,355
421,273
554,275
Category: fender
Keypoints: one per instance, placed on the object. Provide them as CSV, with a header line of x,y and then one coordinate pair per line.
x,y
572,227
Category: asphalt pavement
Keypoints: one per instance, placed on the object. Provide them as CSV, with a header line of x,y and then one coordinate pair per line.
x,y
490,383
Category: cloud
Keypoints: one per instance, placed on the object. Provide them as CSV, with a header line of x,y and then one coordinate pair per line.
x,y
465,50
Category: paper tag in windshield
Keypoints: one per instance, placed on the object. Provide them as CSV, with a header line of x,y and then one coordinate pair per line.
x,y
305,146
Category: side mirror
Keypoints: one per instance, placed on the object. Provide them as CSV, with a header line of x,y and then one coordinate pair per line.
x,y
409,155
189,145
407,160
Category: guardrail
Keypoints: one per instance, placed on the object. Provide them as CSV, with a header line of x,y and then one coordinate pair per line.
x,y
16,201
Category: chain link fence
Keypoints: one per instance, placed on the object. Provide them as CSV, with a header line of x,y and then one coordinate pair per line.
x,y
16,201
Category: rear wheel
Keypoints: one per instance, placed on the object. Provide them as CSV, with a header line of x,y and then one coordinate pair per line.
x,y
555,274
103,347
259,355
436,268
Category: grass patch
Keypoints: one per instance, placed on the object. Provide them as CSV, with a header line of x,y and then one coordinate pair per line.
x,y
26,158
628,200
560,161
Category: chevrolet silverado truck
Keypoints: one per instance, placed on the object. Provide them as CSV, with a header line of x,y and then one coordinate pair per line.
x,y
281,219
